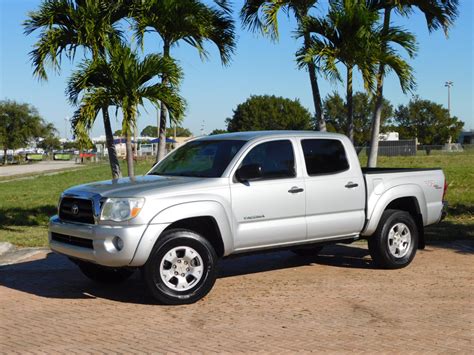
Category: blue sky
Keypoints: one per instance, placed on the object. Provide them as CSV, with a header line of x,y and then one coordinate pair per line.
x,y
258,67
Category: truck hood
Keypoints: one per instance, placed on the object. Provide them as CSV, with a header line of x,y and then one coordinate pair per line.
x,y
130,187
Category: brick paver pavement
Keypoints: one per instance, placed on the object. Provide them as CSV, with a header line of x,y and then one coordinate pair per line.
x,y
274,302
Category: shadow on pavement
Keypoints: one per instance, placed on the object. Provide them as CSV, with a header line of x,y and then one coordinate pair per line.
x,y
56,277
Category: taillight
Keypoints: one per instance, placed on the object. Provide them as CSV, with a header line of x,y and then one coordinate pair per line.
x,y
445,188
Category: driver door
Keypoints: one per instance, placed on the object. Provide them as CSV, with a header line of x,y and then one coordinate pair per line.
x,y
269,210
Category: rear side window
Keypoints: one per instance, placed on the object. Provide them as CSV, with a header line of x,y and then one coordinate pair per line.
x,y
324,156
276,159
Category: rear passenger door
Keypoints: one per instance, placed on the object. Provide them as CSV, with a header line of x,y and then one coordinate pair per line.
x,y
271,210
335,191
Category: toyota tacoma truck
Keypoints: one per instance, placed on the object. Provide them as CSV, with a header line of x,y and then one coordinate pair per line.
x,y
243,192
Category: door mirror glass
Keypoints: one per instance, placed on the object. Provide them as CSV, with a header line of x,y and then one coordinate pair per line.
x,y
249,172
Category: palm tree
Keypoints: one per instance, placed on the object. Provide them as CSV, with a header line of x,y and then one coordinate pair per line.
x,y
67,26
124,81
438,14
190,21
345,35
349,35
262,15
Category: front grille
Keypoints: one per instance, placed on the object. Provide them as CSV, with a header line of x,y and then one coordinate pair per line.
x,y
76,210
69,239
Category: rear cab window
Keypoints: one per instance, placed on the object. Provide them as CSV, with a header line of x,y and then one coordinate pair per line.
x,y
324,156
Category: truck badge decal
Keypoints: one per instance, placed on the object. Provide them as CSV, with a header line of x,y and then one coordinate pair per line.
x,y
75,209
254,217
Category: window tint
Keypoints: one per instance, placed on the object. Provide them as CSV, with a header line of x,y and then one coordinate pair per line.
x,y
276,159
324,156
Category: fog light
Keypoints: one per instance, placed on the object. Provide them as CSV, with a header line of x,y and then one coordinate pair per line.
x,y
118,243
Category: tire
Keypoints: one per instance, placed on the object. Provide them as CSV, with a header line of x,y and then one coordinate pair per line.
x,y
181,269
309,251
103,274
394,243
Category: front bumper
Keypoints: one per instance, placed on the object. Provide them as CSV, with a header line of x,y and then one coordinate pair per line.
x,y
104,249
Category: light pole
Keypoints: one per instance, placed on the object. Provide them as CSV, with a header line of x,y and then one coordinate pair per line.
x,y
66,120
448,84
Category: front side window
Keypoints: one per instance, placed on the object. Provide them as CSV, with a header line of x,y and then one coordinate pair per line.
x,y
199,158
276,159
324,156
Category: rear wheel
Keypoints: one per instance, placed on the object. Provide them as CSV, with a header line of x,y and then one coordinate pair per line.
x,y
395,241
103,274
308,251
181,269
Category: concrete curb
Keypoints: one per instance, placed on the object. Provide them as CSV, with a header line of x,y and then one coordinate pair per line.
x,y
9,254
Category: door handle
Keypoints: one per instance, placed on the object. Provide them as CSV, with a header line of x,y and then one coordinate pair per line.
x,y
295,190
351,185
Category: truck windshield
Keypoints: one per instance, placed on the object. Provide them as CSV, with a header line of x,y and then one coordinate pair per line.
x,y
199,158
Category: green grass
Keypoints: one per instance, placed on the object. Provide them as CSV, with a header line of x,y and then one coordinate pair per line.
x,y
27,204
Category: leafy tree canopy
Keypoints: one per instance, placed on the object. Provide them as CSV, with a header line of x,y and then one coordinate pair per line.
x,y
426,120
20,124
218,131
265,112
151,131
335,111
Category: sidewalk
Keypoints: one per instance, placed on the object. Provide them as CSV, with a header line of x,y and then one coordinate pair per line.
x,y
36,168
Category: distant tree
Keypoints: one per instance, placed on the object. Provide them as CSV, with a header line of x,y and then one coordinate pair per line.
x,y
427,121
269,113
49,139
118,133
180,132
218,131
335,112
149,131
20,124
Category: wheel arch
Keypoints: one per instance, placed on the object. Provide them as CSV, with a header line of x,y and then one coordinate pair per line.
x,y
207,218
405,198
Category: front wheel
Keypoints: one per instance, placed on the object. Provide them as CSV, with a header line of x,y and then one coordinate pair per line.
x,y
394,243
181,269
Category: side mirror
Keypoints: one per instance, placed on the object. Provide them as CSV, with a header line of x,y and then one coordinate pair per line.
x,y
249,172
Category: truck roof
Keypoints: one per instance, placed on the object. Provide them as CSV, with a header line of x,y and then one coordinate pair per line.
x,y
250,135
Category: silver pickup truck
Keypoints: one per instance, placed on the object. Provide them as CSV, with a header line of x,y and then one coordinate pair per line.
x,y
240,192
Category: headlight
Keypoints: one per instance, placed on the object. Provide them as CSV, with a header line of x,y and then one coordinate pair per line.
x,y
121,209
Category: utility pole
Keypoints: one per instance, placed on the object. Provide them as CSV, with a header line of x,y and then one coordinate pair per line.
x,y
448,84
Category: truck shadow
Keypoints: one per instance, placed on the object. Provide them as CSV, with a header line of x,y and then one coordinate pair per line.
x,y
54,276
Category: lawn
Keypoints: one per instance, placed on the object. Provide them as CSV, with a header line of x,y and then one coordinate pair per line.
x,y
26,205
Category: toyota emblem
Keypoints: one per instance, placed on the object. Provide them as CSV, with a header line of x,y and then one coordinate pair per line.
x,y
75,209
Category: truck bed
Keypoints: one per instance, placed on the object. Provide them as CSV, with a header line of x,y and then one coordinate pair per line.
x,y
426,185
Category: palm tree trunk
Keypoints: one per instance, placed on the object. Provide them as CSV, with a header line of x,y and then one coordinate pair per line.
x,y
377,117
109,139
129,150
350,115
318,104
163,113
